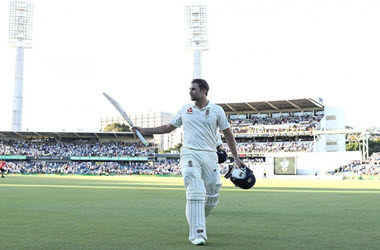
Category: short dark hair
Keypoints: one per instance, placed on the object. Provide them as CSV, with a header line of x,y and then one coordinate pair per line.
x,y
202,84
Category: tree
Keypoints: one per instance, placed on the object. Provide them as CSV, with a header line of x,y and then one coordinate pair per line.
x,y
352,146
374,146
175,148
178,147
117,127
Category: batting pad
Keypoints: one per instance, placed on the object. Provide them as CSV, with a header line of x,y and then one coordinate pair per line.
x,y
212,200
195,208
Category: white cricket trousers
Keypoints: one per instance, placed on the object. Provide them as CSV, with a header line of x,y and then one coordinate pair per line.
x,y
201,177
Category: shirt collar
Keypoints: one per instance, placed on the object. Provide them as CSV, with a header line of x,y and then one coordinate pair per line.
x,y
205,107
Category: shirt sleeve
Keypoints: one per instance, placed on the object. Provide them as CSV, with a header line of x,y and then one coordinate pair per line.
x,y
177,119
222,119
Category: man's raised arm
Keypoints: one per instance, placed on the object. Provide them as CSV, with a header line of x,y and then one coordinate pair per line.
x,y
156,130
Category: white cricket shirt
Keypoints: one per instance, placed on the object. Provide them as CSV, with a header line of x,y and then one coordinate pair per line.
x,y
200,126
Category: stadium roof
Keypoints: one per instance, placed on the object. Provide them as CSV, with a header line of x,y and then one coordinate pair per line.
x,y
272,106
74,135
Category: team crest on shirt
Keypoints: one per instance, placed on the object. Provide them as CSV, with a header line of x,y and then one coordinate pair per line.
x,y
207,115
190,111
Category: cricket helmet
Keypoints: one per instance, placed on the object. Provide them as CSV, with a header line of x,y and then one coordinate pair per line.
x,y
241,177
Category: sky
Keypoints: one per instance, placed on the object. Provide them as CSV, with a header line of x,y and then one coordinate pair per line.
x,y
135,51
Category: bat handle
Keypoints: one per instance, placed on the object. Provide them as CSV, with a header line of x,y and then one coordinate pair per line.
x,y
141,138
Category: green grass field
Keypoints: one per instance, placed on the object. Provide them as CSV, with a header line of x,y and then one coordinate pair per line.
x,y
136,212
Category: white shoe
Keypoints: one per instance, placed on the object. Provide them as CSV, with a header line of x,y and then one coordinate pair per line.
x,y
199,241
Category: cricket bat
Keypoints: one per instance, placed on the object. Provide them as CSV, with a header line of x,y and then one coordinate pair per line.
x,y
125,116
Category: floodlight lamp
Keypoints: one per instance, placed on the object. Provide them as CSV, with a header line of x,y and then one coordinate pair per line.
x,y
20,24
196,22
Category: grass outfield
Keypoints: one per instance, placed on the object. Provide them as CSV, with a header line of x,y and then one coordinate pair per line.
x,y
135,212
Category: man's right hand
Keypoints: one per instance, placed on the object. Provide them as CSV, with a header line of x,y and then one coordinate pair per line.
x,y
134,128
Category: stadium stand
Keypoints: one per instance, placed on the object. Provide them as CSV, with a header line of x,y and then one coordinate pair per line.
x,y
273,147
66,149
94,168
297,123
80,153
369,167
265,132
274,127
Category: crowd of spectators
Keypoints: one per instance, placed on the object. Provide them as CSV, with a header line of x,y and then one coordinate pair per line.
x,y
306,118
165,167
369,167
288,124
64,149
262,129
273,147
170,167
300,123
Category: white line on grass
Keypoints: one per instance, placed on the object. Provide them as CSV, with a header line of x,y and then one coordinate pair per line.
x,y
167,188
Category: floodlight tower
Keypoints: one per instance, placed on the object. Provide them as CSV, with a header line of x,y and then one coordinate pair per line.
x,y
20,37
196,21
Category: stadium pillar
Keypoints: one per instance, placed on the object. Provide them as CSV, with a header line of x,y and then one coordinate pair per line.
x,y
197,64
18,90
196,19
